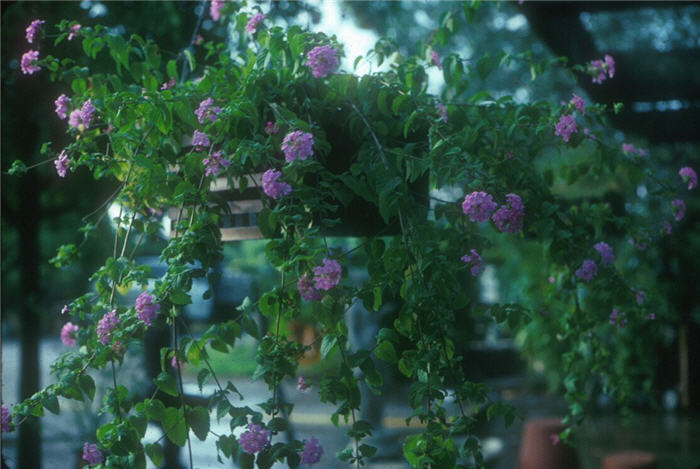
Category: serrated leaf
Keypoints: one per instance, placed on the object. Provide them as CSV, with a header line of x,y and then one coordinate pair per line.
x,y
198,421
166,383
155,454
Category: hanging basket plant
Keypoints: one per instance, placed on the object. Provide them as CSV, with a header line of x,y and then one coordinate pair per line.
x,y
265,136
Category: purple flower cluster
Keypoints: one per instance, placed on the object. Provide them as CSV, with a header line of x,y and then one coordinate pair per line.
x,y
214,163
479,206
639,243
327,276
215,9
33,29
587,271
667,227
606,253
629,150
92,455
640,296
690,176
579,103
106,325
200,140
312,452
475,262
28,63
62,106
61,164
322,60
302,385
305,285
509,218
297,145
252,26
176,363
67,334
272,187
207,110
271,128
146,309
678,209
87,113
618,318
74,31
565,127
600,70
6,419
254,439
436,59
74,118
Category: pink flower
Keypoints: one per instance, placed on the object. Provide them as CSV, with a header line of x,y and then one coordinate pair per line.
x,y
554,438
214,163
252,26
509,218
200,140
442,110
61,164
566,126
602,69
436,59
28,63
87,113
606,253
62,106
92,455
67,334
690,176
312,452
479,206
198,39
628,149
272,187
678,209
551,279
65,309
271,128
305,285
254,439
169,85
176,363
579,103
587,271
322,60
146,309
33,29
297,145
74,118
6,419
475,262
327,276
207,110
301,384
74,31
215,9
613,317
106,325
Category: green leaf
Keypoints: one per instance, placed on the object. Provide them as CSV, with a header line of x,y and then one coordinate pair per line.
x,y
396,104
51,404
385,351
166,383
190,59
202,377
172,69
408,123
198,421
179,297
174,425
267,222
87,384
377,298
327,345
155,453
250,327
367,450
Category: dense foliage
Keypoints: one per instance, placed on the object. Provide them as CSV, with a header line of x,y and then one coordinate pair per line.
x,y
329,152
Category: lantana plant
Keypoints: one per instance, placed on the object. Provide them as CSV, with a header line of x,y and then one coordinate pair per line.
x,y
277,102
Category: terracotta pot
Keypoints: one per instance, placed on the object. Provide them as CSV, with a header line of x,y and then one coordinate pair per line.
x,y
630,460
541,449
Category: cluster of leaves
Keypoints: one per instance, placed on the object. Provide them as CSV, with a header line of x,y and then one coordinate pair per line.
x,y
380,144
